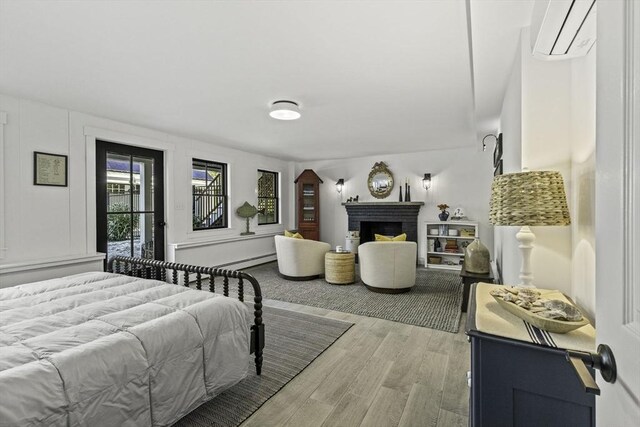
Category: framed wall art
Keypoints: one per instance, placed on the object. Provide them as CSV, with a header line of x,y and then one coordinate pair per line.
x,y
50,169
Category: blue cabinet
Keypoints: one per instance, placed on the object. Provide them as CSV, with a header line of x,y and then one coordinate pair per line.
x,y
515,383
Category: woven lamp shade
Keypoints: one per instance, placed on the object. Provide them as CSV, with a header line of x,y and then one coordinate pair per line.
x,y
529,198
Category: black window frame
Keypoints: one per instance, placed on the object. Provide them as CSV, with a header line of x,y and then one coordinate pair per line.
x,y
224,195
275,198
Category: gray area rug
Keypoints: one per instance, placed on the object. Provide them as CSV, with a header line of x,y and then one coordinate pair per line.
x,y
434,302
293,341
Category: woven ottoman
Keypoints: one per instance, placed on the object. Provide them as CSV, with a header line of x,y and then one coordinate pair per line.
x,y
339,268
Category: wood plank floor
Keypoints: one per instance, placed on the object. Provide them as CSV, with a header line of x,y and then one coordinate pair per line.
x,y
379,373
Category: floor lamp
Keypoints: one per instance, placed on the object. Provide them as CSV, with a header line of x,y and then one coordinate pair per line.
x,y
530,198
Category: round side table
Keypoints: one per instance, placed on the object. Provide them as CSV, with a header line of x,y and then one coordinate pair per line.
x,y
339,268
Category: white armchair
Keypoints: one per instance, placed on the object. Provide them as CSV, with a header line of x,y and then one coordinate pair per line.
x,y
388,267
300,259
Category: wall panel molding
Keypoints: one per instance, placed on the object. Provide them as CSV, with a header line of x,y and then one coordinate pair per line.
x,y
631,156
3,168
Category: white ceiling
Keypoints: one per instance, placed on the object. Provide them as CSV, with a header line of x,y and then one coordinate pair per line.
x,y
371,77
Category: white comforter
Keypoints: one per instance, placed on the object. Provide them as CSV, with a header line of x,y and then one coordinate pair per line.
x,y
100,349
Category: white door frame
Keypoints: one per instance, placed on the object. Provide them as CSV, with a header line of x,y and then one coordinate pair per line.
x,y
618,206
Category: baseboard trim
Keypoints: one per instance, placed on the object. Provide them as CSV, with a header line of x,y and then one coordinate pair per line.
x,y
250,262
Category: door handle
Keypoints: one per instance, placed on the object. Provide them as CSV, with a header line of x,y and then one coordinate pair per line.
x,y
161,223
603,360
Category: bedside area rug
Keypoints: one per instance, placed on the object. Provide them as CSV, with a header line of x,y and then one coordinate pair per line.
x,y
434,302
293,341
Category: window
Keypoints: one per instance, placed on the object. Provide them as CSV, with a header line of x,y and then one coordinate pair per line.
x,y
209,191
267,197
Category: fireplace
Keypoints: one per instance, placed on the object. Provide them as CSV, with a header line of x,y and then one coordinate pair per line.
x,y
388,218
387,228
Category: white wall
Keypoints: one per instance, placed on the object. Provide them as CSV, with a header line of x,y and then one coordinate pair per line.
x,y
460,177
552,105
583,176
546,145
47,223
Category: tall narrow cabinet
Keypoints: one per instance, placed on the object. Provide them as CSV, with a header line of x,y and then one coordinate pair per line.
x,y
308,202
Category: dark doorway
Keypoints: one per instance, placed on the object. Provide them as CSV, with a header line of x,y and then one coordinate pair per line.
x,y
130,201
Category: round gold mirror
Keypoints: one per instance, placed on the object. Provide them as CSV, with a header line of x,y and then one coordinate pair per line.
x,y
380,181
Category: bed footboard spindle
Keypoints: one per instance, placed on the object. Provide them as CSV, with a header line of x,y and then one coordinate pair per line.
x,y
186,276
258,331
240,289
225,285
199,280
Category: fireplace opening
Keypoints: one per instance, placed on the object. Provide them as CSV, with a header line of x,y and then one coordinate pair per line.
x,y
386,228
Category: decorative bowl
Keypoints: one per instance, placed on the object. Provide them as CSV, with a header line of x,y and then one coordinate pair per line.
x,y
453,232
433,232
550,325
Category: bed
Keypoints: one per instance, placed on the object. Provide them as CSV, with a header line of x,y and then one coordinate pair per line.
x,y
124,347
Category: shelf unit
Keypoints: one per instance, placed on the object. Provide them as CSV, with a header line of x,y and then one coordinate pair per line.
x,y
308,201
464,233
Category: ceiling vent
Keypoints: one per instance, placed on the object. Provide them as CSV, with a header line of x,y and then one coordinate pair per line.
x,y
563,29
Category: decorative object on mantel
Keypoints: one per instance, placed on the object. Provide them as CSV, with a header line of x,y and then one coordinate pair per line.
x,y
400,199
528,198
445,213
247,212
458,214
380,181
477,258
407,191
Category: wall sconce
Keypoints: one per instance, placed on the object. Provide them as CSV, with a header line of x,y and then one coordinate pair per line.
x,y
426,181
484,144
340,185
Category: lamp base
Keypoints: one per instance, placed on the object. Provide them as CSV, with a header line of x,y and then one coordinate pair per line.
x,y
526,238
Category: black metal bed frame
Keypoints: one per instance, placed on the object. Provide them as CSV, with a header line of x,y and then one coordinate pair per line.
x,y
153,269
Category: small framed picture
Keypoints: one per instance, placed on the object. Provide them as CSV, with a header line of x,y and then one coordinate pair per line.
x,y
49,169
498,170
497,151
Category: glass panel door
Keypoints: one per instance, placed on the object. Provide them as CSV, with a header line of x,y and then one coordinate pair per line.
x,y
309,203
130,216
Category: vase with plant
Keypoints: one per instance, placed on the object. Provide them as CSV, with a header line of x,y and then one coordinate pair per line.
x,y
444,213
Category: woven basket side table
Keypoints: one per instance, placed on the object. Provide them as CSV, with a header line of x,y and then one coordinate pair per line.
x,y
339,268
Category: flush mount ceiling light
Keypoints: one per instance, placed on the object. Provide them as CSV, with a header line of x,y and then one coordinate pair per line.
x,y
284,110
